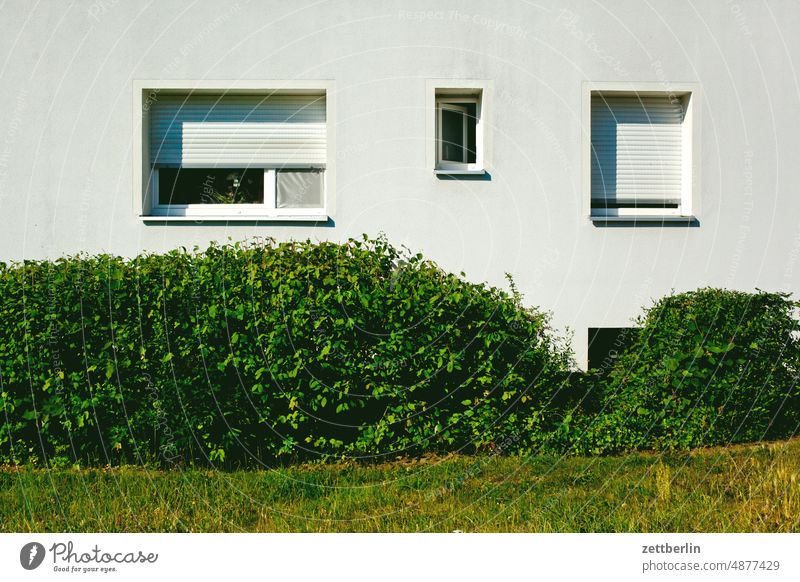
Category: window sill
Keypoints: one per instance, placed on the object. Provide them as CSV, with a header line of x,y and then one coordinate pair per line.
x,y
644,218
237,218
459,172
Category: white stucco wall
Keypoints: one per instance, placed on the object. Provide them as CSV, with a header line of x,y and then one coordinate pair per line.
x,y
67,74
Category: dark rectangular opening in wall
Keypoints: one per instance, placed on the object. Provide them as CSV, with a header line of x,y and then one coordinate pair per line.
x,y
606,344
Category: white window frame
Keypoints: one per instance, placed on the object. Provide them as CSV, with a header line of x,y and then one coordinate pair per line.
x,y
146,202
454,104
687,210
442,91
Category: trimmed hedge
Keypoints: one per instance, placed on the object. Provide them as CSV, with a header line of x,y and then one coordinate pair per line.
x,y
246,353
706,367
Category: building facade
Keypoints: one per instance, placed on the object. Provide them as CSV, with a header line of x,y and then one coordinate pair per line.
x,y
604,154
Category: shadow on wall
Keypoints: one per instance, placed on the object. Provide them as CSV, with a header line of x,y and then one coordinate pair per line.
x,y
650,223
477,177
164,220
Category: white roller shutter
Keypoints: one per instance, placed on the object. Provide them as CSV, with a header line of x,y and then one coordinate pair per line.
x,y
238,130
636,149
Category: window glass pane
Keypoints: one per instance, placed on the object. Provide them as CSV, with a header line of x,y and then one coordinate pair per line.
x,y
210,186
452,136
300,188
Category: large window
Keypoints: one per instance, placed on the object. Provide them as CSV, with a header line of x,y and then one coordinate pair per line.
x,y
236,154
641,154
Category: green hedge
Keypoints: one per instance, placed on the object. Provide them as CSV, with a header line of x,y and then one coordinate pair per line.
x,y
706,367
243,354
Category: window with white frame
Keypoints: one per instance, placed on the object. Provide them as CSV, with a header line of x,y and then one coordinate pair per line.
x,y
236,154
459,131
641,154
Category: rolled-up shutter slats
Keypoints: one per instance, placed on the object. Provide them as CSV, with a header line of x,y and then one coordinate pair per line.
x,y
238,130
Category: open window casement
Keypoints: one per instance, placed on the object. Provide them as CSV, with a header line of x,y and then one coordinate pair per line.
x,y
459,140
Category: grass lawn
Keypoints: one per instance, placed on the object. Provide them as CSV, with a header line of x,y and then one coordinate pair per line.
x,y
742,488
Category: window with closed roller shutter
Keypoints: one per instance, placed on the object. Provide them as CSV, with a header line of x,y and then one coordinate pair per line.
x,y
640,154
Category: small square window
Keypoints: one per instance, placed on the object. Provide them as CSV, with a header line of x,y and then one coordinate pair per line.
x,y
459,131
